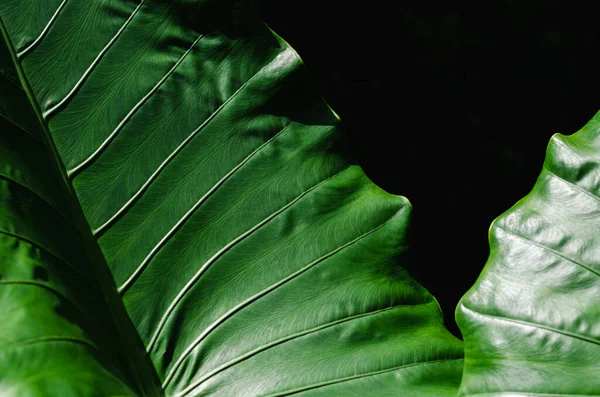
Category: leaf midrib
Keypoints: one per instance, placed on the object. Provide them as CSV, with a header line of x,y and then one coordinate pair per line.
x,y
145,382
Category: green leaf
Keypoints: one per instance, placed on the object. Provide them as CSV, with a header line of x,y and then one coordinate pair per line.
x,y
64,329
253,257
531,322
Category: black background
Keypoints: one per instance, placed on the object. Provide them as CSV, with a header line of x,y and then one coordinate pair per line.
x,y
451,105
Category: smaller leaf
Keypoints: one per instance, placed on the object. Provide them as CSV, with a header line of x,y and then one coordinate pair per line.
x,y
531,323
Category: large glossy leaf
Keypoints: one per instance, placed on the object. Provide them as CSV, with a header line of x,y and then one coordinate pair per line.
x,y
252,256
531,323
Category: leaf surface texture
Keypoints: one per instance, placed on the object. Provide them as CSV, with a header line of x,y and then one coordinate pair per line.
x,y
252,255
531,322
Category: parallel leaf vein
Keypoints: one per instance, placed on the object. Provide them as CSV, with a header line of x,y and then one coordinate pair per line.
x,y
222,251
285,339
100,230
51,111
255,298
85,163
123,288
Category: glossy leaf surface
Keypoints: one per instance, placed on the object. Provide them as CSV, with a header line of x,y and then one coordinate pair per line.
x,y
253,257
531,323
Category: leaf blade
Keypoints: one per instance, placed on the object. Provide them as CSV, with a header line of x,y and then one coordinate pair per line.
x,y
233,161
532,317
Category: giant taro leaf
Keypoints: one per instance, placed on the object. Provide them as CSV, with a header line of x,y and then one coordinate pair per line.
x,y
252,256
531,322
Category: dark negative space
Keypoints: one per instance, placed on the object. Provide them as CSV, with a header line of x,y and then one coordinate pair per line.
x,y
451,105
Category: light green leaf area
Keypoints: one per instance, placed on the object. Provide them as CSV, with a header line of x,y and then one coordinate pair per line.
x,y
531,323
252,255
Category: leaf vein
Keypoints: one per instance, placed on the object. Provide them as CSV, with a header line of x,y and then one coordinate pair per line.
x,y
285,339
50,112
349,378
256,297
85,163
55,256
123,288
572,185
101,229
50,339
44,32
52,206
533,325
222,251
50,289
10,80
22,129
548,249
